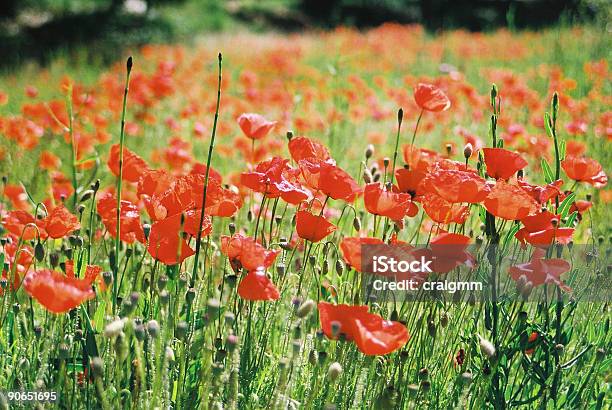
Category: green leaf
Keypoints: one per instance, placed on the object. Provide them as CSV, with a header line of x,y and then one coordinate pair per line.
x,y
566,204
548,125
571,219
2,262
562,150
548,174
98,319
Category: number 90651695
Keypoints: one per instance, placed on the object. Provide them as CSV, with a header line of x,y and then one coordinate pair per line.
x,y
30,396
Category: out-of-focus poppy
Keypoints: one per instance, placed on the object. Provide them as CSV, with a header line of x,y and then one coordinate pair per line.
x,y
584,169
431,98
275,178
133,165
449,250
541,193
539,271
456,186
393,205
130,229
17,262
167,241
49,161
351,250
244,253
542,230
510,202
329,179
255,126
501,163
256,285
302,148
17,195
57,292
312,227
23,224
419,159
372,334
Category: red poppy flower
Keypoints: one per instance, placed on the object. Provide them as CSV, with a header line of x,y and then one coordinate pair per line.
x,y
56,292
20,223
393,205
447,251
583,169
256,285
510,202
255,126
244,252
61,186
185,193
442,211
580,206
419,158
92,273
60,222
501,163
21,262
456,186
133,165
539,271
167,241
351,250
130,229
372,334
329,179
49,161
539,230
430,98
409,181
275,178
312,227
302,148
199,168
541,194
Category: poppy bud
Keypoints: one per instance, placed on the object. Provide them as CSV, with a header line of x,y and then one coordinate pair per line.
x,y
600,354
486,347
555,106
153,328
425,385
376,177
181,330
39,251
284,244
250,216
449,149
114,328
146,229
81,208
139,332
519,174
232,228
97,367
4,179
95,185
589,196
190,295
3,283
386,161
164,297
394,315
38,330
305,308
334,371
231,280
467,151
169,354
431,328
444,320
86,195
367,176
423,373
312,260
107,277
231,342
559,348
162,281
213,306
339,267
369,151
129,64
312,357
466,377
229,318
289,135
357,224
16,308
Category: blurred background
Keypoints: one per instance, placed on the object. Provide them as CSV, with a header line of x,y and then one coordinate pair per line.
x,y
98,30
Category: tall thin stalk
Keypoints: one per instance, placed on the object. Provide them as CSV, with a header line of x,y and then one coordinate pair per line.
x,y
210,151
119,182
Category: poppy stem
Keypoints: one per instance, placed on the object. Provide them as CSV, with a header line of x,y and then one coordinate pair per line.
x,y
210,151
416,127
115,268
72,146
400,117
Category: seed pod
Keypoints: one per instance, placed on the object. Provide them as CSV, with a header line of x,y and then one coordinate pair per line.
x,y
107,277
367,176
386,161
153,328
369,151
87,195
114,328
232,228
97,367
289,135
190,295
146,228
213,306
164,297
357,224
431,328
181,330
444,320
139,332
339,267
231,342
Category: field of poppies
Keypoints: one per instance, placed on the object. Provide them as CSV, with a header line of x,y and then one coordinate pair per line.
x,y
185,228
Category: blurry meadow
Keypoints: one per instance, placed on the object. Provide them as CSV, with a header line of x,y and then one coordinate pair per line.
x,y
233,278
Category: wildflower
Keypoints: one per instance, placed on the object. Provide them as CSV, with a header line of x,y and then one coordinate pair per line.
x,y
510,202
244,252
351,250
542,230
328,178
255,126
371,333
395,206
275,178
456,185
430,98
312,227
58,293
501,163
256,285
541,194
539,270
130,229
133,165
303,148
584,169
